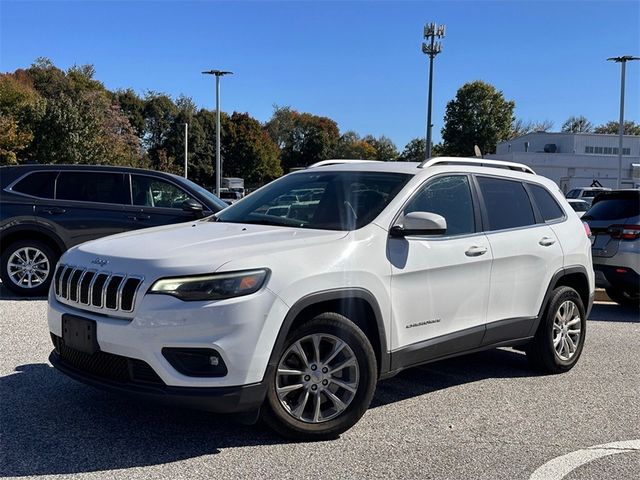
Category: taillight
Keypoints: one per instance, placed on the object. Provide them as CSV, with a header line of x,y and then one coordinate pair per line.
x,y
587,229
624,232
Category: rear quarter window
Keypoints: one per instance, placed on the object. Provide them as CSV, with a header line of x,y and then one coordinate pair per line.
x,y
507,203
549,208
37,184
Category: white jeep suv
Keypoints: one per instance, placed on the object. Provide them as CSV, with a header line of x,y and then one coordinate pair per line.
x,y
297,312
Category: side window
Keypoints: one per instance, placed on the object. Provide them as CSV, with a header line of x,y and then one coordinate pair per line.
x,y
153,192
38,184
450,197
573,194
507,203
549,208
99,187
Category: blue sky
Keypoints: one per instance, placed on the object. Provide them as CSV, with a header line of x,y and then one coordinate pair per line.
x,y
356,62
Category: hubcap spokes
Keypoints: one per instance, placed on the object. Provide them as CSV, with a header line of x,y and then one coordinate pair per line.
x,y
567,326
317,378
28,267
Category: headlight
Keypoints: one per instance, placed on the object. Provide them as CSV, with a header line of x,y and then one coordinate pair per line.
x,y
211,287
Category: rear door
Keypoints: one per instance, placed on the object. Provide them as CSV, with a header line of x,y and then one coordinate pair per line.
x,y
87,205
526,254
154,202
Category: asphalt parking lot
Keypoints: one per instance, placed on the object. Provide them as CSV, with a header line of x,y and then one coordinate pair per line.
x,y
480,416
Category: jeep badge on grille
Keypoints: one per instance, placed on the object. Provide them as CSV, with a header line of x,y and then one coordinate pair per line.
x,y
100,261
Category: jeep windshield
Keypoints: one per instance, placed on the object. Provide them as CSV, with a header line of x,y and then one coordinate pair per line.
x,y
343,200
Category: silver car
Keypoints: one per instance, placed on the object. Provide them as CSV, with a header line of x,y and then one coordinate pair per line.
x,y
614,219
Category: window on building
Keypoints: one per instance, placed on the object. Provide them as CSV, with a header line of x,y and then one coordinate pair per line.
x,y
626,151
597,150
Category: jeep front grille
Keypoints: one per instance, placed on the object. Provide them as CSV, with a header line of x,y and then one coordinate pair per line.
x,y
112,291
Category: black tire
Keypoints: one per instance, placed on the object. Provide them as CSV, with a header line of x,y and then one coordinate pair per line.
x,y
279,419
41,288
541,351
624,298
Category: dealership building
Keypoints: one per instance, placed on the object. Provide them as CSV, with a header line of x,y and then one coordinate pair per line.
x,y
576,159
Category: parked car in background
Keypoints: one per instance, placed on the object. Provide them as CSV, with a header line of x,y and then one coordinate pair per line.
x,y
586,193
229,196
579,206
295,309
614,219
46,209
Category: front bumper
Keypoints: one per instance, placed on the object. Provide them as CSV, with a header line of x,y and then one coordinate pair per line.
x,y
239,399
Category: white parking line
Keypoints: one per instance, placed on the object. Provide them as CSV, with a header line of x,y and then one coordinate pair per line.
x,y
561,466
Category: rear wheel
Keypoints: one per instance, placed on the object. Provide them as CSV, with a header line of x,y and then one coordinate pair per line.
x,y
324,382
558,343
27,267
624,298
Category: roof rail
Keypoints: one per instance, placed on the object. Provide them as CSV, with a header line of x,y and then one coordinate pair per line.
x,y
338,161
481,162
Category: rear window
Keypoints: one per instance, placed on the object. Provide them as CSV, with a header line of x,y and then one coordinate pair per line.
x,y
37,184
96,187
507,203
614,207
549,208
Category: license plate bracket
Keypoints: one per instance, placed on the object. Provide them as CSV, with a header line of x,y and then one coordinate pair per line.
x,y
80,334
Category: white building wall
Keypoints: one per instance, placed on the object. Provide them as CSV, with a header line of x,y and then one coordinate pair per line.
x,y
570,167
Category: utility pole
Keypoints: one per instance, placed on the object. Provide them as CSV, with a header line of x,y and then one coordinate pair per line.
x,y
431,48
218,74
186,147
623,63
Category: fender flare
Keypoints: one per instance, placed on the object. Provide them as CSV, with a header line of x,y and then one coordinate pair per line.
x,y
328,295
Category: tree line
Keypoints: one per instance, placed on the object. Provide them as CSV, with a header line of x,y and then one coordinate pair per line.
x,y
48,115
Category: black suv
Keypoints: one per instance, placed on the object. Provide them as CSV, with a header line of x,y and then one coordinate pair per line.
x,y
46,209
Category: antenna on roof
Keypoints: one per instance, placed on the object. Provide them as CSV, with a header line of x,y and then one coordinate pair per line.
x,y
477,151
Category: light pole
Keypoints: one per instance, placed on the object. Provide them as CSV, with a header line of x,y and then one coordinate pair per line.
x,y
623,63
218,74
186,147
431,48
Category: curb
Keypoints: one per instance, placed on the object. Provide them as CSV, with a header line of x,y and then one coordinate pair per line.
x,y
601,296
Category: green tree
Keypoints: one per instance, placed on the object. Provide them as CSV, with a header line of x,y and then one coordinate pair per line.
x,y
413,151
630,128
133,107
350,145
478,115
385,149
20,109
248,151
578,124
303,138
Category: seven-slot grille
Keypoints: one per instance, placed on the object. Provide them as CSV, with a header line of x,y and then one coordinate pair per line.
x,y
113,291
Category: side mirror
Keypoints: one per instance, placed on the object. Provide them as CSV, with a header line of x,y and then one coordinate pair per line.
x,y
420,223
192,206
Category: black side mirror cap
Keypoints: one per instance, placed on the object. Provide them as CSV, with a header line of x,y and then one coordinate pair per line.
x,y
192,206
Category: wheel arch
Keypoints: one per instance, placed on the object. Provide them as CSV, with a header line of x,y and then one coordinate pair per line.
x,y
357,304
31,232
575,277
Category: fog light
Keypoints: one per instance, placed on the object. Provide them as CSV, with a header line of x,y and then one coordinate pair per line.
x,y
196,362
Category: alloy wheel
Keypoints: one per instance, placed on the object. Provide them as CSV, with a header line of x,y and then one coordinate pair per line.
x,y
567,328
28,267
317,378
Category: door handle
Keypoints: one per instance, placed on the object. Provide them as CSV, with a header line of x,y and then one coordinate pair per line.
x,y
53,210
138,217
475,251
546,241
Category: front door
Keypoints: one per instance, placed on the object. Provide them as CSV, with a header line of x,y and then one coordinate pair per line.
x,y
440,284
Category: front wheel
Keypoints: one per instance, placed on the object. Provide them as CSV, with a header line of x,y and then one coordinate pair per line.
x,y
558,343
27,267
324,381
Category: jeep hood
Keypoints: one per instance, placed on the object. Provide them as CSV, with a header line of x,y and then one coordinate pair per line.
x,y
192,247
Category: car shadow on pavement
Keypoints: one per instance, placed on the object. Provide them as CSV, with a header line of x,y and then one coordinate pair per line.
x,y
612,312
6,294
496,363
53,425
